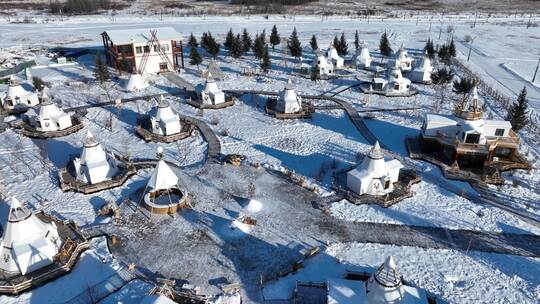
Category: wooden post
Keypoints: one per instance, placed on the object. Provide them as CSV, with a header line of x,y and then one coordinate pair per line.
x,y
536,71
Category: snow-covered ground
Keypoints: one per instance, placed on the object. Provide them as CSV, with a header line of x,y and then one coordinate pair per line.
x,y
453,276
312,148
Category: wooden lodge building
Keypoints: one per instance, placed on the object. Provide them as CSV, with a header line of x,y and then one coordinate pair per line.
x,y
468,140
144,50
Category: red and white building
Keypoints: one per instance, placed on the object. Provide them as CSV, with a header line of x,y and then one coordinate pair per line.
x,y
143,50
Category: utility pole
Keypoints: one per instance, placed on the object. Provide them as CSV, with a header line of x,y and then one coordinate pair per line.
x,y
536,71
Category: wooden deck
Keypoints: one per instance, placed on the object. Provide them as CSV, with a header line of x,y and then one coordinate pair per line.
x,y
402,189
307,110
143,130
229,102
489,174
30,131
74,244
68,182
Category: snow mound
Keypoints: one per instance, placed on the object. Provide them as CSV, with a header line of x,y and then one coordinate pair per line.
x,y
254,206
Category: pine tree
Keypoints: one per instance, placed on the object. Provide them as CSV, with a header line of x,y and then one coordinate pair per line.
x,y
343,46
429,48
236,47
258,47
265,63
444,54
452,48
263,36
294,45
204,41
246,41
229,39
313,43
518,113
315,72
101,72
384,45
356,40
38,83
442,76
213,46
274,37
192,43
463,86
194,57
335,43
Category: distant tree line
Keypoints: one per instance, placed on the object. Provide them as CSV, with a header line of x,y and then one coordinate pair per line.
x,y
270,2
76,7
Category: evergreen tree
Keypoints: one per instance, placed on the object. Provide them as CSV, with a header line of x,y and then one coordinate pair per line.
x,y
442,76
444,54
38,83
236,47
313,43
192,43
452,48
204,40
335,43
315,72
265,63
229,40
263,36
356,40
101,72
463,86
246,41
384,45
258,47
213,46
274,37
429,48
343,46
194,57
294,45
518,113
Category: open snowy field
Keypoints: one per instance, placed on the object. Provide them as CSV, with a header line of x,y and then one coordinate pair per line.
x,y
504,52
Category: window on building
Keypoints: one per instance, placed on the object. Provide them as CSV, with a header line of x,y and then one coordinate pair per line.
x,y
165,47
138,49
396,86
155,48
387,184
472,138
499,132
146,49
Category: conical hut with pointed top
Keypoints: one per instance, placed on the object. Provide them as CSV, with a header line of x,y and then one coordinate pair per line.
x,y
28,243
374,175
136,82
333,56
95,164
289,101
210,96
363,58
422,72
163,124
402,60
50,117
17,97
162,194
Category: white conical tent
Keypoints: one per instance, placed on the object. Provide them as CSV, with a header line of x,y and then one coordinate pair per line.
x,y
135,83
384,286
212,94
50,117
28,243
364,58
289,101
95,165
17,96
162,178
164,120
422,73
375,175
334,57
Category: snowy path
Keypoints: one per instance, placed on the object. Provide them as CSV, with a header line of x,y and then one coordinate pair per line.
x,y
496,73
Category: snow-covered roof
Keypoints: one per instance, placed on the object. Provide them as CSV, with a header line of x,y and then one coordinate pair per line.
x,y
140,35
387,274
501,124
164,112
28,243
342,291
210,85
49,110
440,119
425,65
163,177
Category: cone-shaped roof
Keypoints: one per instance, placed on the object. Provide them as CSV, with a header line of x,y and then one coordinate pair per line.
x,y
469,108
376,152
90,140
163,177
387,274
28,243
